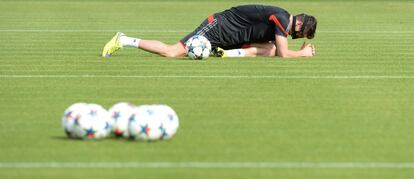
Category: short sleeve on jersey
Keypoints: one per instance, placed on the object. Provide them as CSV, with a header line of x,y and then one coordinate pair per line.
x,y
281,25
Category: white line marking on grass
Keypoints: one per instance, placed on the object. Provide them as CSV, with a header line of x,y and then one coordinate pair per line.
x,y
90,30
379,77
184,31
211,165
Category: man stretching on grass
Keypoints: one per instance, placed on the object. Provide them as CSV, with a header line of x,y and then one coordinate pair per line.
x,y
242,31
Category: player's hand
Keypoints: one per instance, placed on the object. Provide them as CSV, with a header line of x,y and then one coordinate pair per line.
x,y
308,50
313,50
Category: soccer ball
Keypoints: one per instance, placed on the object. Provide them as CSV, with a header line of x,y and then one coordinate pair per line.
x,y
169,121
120,114
71,114
198,47
145,124
153,122
91,121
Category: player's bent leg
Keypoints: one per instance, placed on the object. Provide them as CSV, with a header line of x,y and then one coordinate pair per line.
x,y
266,49
160,48
261,49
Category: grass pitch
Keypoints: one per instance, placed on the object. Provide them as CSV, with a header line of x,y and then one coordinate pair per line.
x,y
346,113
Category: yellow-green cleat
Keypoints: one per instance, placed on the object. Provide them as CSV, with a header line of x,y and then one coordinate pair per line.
x,y
112,46
218,52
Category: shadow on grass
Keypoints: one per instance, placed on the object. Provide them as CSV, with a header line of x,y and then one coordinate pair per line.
x,y
110,138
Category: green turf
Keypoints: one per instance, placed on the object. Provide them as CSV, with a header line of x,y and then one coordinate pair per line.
x,y
257,110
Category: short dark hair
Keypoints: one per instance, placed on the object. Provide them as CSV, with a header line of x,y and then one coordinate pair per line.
x,y
310,23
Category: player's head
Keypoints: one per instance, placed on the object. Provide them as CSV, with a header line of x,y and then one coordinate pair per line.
x,y
303,25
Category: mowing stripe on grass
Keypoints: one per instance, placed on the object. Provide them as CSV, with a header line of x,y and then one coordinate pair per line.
x,y
211,165
185,31
373,77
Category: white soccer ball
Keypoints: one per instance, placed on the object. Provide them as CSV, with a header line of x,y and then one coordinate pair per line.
x,y
169,121
71,114
145,124
92,122
198,47
120,114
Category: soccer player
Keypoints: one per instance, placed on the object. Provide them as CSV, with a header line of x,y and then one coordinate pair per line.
x,y
242,31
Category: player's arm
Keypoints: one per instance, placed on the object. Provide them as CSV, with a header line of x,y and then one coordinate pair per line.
x,y
283,51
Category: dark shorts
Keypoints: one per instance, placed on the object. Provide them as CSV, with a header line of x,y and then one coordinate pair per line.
x,y
208,29
212,29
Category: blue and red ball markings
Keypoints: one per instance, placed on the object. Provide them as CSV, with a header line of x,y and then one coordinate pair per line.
x,y
107,126
170,117
116,115
150,112
92,112
90,133
76,122
118,132
145,129
132,117
163,131
68,115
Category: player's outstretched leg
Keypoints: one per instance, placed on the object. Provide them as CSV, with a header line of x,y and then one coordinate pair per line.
x,y
120,40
